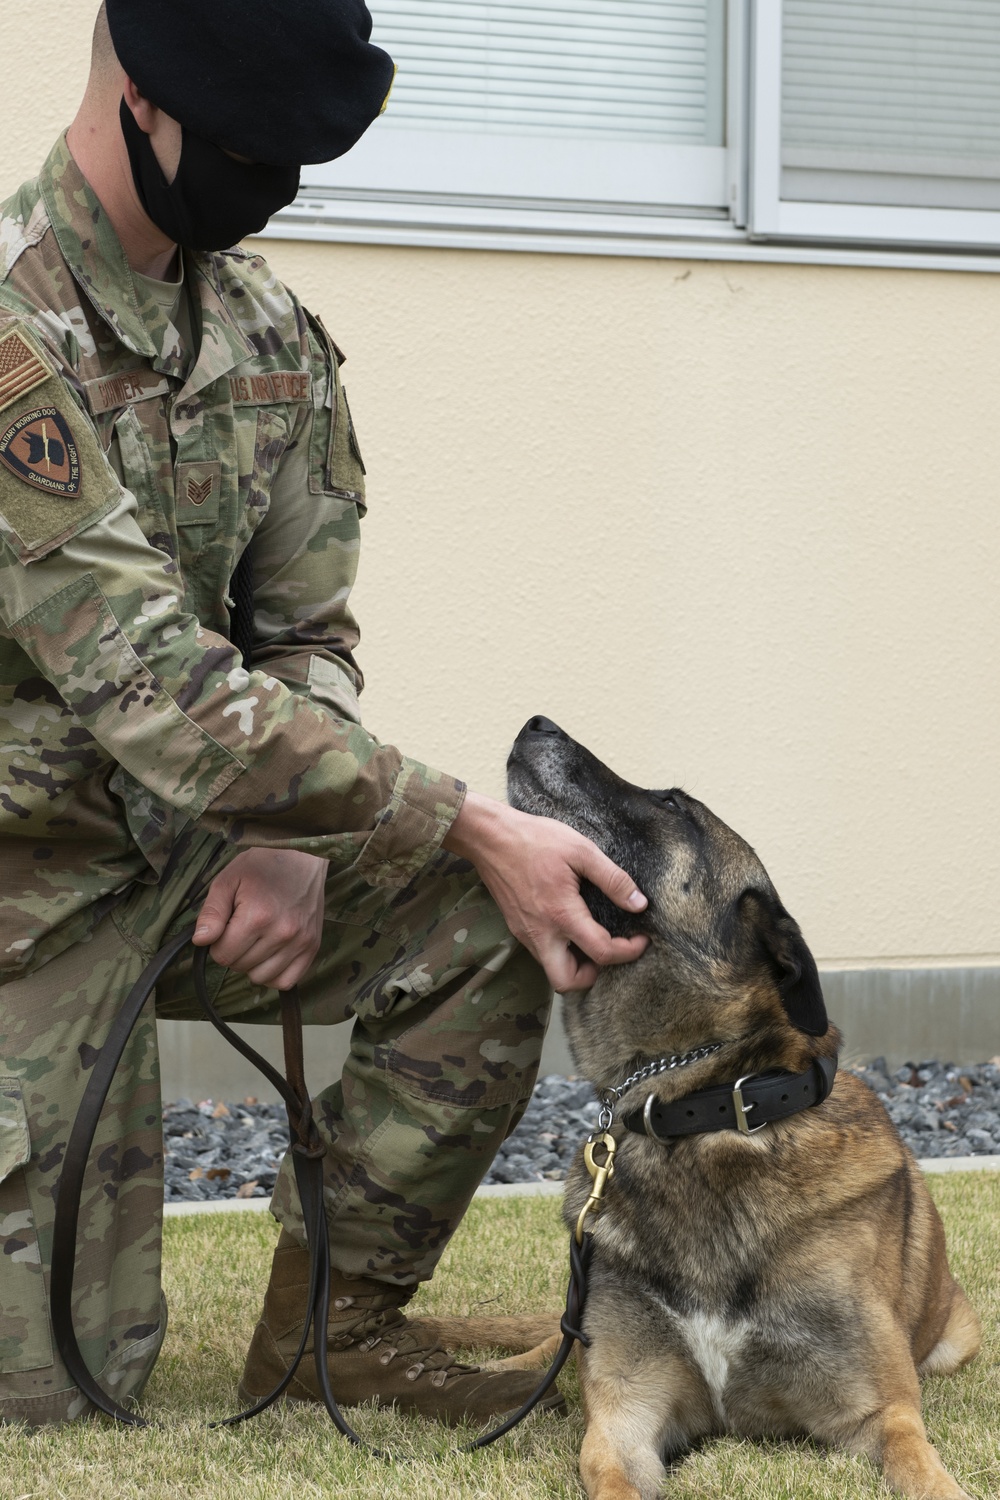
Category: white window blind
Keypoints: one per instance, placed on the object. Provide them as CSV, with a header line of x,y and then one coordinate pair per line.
x,y
638,70
597,101
892,102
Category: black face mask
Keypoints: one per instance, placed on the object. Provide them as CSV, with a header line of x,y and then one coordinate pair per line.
x,y
213,200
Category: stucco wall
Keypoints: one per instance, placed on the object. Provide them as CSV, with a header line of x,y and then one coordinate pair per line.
x,y
734,526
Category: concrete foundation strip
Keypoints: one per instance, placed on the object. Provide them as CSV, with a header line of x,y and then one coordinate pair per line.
x,y
545,1189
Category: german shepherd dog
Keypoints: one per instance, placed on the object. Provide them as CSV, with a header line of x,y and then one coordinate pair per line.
x,y
790,1281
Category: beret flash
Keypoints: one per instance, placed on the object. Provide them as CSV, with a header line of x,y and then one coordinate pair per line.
x,y
283,82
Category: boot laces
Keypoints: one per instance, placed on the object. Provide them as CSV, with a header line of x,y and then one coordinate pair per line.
x,y
401,1337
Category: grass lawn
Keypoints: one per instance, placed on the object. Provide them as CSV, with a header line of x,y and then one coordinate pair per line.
x,y
511,1254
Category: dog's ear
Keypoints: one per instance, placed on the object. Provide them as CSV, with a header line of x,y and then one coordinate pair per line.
x,y
793,964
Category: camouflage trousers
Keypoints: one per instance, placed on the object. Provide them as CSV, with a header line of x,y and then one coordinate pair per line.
x,y
449,1015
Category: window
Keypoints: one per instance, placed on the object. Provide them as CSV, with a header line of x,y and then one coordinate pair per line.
x,y
878,120
521,106
641,126
585,101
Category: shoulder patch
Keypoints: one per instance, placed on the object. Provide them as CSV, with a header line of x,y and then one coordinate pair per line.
x,y
40,449
54,478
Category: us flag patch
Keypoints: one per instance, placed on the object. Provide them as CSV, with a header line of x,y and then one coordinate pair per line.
x,y
21,370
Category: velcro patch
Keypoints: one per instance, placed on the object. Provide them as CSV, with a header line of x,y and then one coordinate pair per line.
x,y
54,478
20,369
275,387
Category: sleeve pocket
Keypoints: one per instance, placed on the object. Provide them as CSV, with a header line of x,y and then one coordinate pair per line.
x,y
330,685
336,465
25,1337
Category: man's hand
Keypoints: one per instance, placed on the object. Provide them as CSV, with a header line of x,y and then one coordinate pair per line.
x,y
263,915
532,868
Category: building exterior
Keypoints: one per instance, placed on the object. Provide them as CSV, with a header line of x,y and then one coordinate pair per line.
x,y
681,428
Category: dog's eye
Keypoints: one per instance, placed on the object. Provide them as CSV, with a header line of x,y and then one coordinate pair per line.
x,y
667,799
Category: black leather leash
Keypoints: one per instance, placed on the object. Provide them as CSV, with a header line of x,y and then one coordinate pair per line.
x,y
576,1296
307,1157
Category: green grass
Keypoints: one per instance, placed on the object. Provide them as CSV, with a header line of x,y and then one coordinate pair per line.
x,y
510,1255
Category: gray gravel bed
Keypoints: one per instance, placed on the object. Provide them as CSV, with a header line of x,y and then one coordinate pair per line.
x,y
215,1151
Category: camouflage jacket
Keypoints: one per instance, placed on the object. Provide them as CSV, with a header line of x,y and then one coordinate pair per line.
x,y
127,495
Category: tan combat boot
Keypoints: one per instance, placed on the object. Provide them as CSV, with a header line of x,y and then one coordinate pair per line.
x,y
375,1353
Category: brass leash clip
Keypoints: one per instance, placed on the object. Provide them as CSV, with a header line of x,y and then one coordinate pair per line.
x,y
600,1177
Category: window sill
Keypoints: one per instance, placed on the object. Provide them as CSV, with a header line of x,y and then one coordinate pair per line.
x,y
460,223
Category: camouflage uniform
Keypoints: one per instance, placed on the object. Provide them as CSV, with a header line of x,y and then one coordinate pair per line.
x,y
140,756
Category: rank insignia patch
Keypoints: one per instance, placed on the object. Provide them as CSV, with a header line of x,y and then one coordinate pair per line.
x,y
198,493
40,449
20,369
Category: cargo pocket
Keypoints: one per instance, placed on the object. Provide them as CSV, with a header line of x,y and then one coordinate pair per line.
x,y
25,1337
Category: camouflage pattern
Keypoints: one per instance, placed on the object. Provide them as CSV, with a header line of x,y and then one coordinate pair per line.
x,y
449,1014
139,755
128,713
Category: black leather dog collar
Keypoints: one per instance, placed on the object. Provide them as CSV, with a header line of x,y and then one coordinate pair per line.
x,y
746,1105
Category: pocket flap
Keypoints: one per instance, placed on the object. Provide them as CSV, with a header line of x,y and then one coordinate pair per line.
x,y
331,685
15,1147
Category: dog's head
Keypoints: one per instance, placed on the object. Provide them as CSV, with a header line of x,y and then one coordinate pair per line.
x,y
725,960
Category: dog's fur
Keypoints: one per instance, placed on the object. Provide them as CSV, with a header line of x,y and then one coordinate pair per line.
x,y
789,1282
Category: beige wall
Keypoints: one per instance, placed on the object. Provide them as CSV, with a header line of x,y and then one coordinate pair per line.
x,y
733,525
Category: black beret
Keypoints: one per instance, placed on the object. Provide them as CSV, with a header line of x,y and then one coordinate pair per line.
x,y
280,81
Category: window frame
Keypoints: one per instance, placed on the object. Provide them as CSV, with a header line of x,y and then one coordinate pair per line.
x,y
442,165
749,222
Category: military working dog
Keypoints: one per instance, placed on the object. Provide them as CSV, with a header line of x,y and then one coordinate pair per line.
x,y
789,1281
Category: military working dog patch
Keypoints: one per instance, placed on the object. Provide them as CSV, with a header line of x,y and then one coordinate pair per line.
x,y
20,369
40,449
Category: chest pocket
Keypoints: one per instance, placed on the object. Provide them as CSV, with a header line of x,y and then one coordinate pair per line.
x,y
261,439
131,454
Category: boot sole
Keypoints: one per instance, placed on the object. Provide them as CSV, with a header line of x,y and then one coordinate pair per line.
x,y
553,1405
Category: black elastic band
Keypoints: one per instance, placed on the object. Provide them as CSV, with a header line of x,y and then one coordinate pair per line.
x,y
241,613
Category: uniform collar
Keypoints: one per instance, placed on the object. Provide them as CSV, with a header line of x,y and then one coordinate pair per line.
x,y
93,252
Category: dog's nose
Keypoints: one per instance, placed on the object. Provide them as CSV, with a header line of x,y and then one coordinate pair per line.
x,y
540,725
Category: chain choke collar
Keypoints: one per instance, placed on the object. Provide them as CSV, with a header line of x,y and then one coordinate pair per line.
x,y
611,1096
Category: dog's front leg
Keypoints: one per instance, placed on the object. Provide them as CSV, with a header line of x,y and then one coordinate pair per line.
x,y
636,1408
895,1437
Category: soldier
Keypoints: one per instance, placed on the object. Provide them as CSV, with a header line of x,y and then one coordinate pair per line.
x,y
164,401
